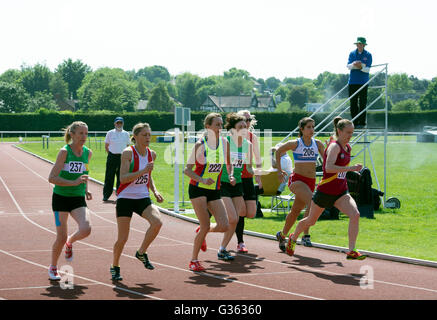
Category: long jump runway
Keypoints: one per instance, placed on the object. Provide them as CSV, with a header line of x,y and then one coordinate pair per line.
x,y
28,230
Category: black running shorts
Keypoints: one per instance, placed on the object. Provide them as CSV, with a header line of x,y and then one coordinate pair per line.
x,y
230,191
126,207
327,201
248,189
66,204
196,192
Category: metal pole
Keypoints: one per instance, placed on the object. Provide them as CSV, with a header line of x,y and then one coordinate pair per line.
x,y
385,133
176,171
183,158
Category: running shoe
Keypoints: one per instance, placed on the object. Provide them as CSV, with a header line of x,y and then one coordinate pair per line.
x,y
145,260
203,247
282,242
68,252
355,255
53,274
241,247
115,273
196,266
291,246
225,255
306,240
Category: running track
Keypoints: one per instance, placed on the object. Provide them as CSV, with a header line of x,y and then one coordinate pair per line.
x,y
28,230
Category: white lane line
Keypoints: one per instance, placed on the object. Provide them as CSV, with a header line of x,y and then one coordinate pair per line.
x,y
81,277
164,265
260,259
46,287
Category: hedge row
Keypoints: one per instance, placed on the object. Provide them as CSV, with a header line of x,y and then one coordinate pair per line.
x,y
162,121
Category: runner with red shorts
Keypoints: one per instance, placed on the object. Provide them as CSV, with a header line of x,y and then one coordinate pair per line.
x,y
333,190
303,179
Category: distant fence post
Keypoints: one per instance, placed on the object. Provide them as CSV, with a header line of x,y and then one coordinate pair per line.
x,y
45,141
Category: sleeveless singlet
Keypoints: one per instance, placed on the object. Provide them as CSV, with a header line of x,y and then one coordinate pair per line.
x,y
304,153
139,188
335,183
212,168
239,156
245,173
74,167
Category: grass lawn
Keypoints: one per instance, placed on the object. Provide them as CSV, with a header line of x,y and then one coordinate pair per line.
x,y
411,177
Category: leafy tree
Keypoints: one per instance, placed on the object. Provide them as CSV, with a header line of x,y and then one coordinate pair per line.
x,y
429,100
36,78
236,73
159,98
58,87
154,74
13,97
73,73
186,84
41,100
406,105
272,83
299,95
11,76
108,89
400,83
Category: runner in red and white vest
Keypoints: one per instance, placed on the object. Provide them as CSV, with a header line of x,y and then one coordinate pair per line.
x,y
332,190
133,195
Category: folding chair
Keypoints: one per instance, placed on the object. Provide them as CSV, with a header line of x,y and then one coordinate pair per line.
x,y
270,183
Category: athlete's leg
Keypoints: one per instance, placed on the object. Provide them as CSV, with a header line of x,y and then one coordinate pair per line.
x,y
302,198
347,205
61,235
152,215
81,216
123,226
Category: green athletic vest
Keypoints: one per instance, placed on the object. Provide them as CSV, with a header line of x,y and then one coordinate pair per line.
x,y
239,156
73,168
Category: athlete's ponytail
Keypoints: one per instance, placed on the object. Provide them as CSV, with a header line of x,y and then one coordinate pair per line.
x,y
340,124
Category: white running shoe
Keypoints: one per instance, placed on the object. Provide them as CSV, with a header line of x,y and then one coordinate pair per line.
x,y
53,273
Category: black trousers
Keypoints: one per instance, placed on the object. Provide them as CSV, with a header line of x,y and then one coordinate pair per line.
x,y
113,162
358,103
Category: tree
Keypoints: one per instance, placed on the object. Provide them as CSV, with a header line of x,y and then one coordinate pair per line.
x,y
13,97
272,83
299,95
236,73
154,74
186,84
108,89
73,73
159,98
406,105
58,87
41,100
36,78
429,100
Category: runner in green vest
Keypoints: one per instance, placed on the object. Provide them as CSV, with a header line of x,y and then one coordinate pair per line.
x,y
70,176
232,192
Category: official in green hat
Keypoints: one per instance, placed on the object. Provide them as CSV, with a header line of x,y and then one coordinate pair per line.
x,y
359,63
361,40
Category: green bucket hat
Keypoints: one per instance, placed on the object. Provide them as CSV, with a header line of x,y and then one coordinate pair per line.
x,y
361,40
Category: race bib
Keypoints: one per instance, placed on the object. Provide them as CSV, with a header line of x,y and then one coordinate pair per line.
x,y
215,167
341,175
144,179
75,167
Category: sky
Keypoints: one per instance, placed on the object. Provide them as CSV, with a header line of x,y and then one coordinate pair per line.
x,y
267,38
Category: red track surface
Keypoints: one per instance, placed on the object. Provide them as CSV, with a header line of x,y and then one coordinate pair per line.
x,y
28,231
